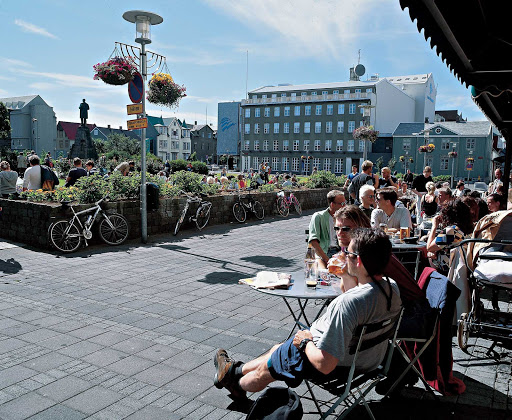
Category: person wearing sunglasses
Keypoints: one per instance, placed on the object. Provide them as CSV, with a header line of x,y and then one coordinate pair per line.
x,y
367,196
317,352
321,229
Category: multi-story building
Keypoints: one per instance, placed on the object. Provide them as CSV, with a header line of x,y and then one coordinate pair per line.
x,y
173,140
472,142
228,133
282,124
204,142
33,124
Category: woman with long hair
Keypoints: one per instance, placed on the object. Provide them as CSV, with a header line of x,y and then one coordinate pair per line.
x,y
429,202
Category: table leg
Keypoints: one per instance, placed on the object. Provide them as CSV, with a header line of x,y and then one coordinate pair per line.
x,y
296,318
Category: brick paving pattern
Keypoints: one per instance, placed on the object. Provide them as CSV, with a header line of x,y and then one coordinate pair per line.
x,y
130,332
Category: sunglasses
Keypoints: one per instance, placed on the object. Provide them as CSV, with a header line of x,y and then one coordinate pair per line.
x,y
369,196
342,228
348,253
341,204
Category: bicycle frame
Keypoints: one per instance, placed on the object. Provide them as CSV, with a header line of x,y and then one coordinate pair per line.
x,y
76,218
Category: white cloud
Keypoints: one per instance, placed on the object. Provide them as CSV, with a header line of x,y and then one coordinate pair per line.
x,y
29,27
9,63
42,86
71,80
3,93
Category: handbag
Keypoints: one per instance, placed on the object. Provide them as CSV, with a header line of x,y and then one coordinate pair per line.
x,y
276,403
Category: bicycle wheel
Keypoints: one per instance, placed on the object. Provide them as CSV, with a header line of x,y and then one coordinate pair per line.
x,y
180,221
258,210
203,215
297,206
65,236
115,232
282,208
239,212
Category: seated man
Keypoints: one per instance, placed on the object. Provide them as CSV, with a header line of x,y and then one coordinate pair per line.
x,y
75,173
387,213
321,228
367,198
319,351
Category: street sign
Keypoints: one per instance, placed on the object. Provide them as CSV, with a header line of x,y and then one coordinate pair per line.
x,y
469,166
134,109
136,124
136,88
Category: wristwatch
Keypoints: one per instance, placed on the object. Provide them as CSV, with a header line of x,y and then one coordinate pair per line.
x,y
304,343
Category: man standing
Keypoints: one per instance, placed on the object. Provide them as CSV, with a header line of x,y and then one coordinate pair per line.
x,y
387,179
21,164
365,177
493,188
408,178
386,212
90,169
75,173
318,351
32,177
419,187
321,228
367,196
351,176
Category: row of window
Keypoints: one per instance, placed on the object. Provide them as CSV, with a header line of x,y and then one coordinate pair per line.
x,y
314,93
446,144
283,164
163,144
444,163
340,127
297,110
306,145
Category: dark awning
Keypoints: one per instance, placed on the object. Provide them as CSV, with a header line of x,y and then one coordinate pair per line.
x,y
474,39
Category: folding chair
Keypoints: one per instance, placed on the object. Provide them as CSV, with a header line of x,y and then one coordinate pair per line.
x,y
351,389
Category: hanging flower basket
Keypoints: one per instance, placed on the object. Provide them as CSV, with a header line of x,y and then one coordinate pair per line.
x,y
470,160
427,148
402,158
366,132
163,91
116,71
452,154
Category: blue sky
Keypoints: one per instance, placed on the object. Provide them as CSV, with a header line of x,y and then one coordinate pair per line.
x,y
50,47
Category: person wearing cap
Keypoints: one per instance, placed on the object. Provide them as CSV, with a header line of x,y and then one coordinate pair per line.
x,y
316,352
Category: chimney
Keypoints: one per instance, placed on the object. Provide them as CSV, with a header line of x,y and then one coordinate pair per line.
x,y
108,126
195,122
120,127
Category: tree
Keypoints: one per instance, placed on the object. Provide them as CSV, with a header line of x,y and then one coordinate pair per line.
x,y
192,157
379,164
392,163
5,123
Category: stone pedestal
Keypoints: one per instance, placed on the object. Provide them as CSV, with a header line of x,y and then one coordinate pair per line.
x,y
83,147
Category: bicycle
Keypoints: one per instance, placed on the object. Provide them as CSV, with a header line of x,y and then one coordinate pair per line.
x,y
240,208
284,203
202,215
66,235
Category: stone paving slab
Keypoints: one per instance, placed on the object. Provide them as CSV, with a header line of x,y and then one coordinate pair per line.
x,y
130,331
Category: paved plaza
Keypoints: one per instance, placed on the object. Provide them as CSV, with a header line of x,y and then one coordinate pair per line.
x,y
130,331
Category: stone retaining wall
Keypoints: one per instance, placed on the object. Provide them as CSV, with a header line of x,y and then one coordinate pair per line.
x,y
28,222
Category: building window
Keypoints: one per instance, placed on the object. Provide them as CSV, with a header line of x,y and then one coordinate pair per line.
x,y
358,93
317,145
307,110
303,94
256,128
276,111
256,145
296,110
276,145
444,163
318,110
276,128
163,144
256,162
445,144
351,109
247,112
295,164
246,144
266,128
267,112
327,164
275,163
318,127
429,161
369,90
256,112
296,128
286,128
351,126
313,93
295,145
338,165
316,163
470,144
284,163
407,144
307,127
263,96
328,145
247,129
350,145
286,145
265,145
341,109
328,127
286,111
341,127
293,95
361,146
330,109
335,92
339,145
306,145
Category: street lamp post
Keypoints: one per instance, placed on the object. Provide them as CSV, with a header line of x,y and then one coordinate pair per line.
x,y
453,165
367,116
467,164
143,21
33,145
426,136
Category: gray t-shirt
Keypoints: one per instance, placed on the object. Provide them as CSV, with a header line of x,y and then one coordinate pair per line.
x,y
358,182
399,218
365,304
8,181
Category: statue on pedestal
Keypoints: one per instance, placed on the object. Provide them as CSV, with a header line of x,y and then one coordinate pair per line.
x,y
84,112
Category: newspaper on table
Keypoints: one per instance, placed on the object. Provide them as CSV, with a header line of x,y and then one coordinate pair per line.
x,y
268,280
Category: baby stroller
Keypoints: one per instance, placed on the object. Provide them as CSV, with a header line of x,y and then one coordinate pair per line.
x,y
488,258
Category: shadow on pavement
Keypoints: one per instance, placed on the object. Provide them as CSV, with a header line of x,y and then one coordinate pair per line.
x,y
10,266
268,261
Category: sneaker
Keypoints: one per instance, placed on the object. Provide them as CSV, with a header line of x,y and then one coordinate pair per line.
x,y
223,363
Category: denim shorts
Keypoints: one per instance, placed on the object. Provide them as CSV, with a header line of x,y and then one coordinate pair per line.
x,y
289,364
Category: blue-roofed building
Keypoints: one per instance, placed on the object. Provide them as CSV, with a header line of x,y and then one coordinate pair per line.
x,y
469,140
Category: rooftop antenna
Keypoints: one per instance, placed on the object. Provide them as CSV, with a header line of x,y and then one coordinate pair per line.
x,y
247,75
358,56
206,114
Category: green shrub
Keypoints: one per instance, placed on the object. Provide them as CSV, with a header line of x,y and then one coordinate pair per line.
x,y
90,189
62,165
178,165
168,190
199,167
441,178
187,181
324,179
267,188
